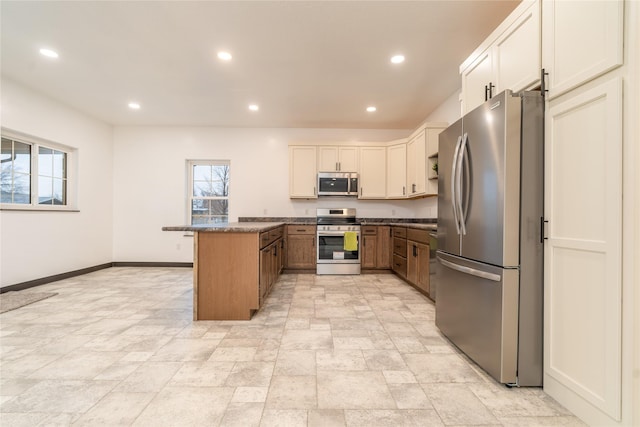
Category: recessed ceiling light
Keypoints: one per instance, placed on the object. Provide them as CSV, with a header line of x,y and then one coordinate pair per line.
x,y
371,109
134,105
225,56
397,59
49,53
254,107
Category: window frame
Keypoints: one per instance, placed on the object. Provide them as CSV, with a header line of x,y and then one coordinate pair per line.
x,y
70,168
190,163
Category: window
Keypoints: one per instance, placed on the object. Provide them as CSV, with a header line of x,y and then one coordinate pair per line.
x,y
34,174
208,191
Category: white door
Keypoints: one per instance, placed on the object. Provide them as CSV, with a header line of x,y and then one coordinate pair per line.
x,y
474,79
327,159
348,159
583,260
397,171
373,173
302,172
517,53
580,41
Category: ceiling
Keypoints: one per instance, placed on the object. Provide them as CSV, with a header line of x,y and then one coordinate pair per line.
x,y
312,64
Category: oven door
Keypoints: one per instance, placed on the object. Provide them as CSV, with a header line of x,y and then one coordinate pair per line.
x,y
331,248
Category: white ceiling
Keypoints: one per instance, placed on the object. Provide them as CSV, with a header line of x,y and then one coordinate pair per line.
x,y
306,63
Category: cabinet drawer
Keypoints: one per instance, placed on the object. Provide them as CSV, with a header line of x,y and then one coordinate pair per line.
x,y
301,229
399,231
370,229
400,246
400,265
275,234
264,239
421,236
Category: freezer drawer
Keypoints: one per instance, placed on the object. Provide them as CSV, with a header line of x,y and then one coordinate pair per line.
x,y
477,309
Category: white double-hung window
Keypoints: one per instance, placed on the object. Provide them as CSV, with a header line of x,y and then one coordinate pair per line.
x,y
34,174
208,188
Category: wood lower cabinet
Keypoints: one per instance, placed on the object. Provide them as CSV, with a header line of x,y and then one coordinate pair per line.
x,y
234,272
399,248
418,265
418,259
375,251
301,247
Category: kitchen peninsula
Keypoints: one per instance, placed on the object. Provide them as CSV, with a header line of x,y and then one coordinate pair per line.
x,y
234,267
236,264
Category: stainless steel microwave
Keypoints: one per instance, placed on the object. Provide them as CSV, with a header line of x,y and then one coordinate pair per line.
x,y
337,184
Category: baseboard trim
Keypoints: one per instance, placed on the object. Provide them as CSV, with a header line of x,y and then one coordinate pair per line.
x,y
151,264
80,272
54,278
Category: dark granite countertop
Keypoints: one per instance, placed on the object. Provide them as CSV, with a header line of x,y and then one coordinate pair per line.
x,y
420,223
232,227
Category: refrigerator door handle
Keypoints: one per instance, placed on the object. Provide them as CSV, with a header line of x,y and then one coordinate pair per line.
x,y
458,183
453,184
469,270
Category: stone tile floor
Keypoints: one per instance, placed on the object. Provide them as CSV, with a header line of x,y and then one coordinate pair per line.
x,y
119,347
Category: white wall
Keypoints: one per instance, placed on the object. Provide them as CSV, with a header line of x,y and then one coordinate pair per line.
x,y
150,187
40,244
448,111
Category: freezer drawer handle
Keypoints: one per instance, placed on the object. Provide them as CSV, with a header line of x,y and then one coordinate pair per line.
x,y
469,270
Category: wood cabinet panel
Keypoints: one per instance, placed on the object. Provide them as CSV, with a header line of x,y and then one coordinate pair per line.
x,y
384,253
227,275
418,265
301,251
368,254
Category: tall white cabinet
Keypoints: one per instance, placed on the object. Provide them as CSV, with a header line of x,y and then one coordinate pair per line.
x,y
584,361
589,52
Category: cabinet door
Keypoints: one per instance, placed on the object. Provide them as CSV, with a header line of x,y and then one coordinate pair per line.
x,y
432,160
580,41
301,251
474,80
418,265
583,258
265,273
517,53
348,159
302,172
338,159
373,173
369,250
384,248
327,159
397,171
417,165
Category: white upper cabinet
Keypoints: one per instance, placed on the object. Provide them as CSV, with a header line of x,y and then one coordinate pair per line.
x,y
517,52
508,59
422,155
338,159
416,165
397,171
373,173
302,172
475,80
581,40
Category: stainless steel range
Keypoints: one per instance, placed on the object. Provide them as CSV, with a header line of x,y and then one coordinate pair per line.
x,y
338,250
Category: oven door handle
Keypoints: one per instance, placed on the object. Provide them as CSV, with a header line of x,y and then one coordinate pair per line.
x,y
336,233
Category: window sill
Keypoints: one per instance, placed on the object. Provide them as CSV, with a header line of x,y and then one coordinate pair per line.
x,y
29,208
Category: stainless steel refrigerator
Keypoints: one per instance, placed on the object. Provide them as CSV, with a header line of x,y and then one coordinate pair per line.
x,y
490,259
